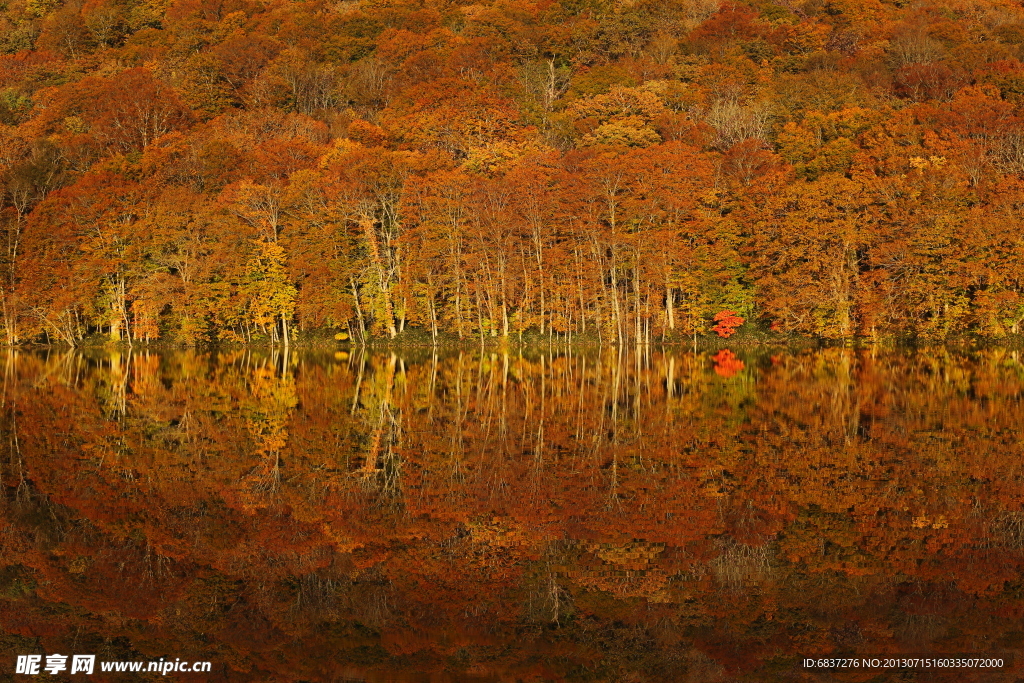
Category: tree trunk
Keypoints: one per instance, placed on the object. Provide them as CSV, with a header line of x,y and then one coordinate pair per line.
x,y
382,275
670,309
359,311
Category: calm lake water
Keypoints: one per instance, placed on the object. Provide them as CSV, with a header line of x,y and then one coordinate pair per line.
x,y
537,516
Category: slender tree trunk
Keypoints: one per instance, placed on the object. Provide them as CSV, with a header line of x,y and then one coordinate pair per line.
x,y
433,322
433,308
382,275
359,311
579,284
117,309
670,309
616,310
504,296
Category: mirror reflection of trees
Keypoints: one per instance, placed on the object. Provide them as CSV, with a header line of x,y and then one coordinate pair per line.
x,y
601,514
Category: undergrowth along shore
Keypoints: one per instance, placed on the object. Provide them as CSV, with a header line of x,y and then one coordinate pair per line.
x,y
326,339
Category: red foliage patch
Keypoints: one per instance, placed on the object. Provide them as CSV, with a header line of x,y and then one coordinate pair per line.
x,y
727,321
727,364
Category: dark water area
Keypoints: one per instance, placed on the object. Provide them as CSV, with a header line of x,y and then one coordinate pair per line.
x,y
567,516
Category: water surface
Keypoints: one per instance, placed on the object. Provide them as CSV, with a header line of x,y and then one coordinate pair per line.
x,y
555,516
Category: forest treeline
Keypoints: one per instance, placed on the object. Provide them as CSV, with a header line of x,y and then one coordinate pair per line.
x,y
203,170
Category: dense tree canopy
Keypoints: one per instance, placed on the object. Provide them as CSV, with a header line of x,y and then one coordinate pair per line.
x,y
235,170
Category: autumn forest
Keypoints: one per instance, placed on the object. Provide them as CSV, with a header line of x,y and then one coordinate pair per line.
x,y
198,171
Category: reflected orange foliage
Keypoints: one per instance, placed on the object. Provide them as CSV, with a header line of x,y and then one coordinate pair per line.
x,y
294,515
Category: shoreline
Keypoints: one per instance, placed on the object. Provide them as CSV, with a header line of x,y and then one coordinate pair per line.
x,y
701,343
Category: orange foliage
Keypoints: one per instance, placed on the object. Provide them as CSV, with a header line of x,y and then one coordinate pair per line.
x,y
615,171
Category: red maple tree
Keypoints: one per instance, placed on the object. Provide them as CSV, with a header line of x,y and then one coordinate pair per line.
x,y
727,322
